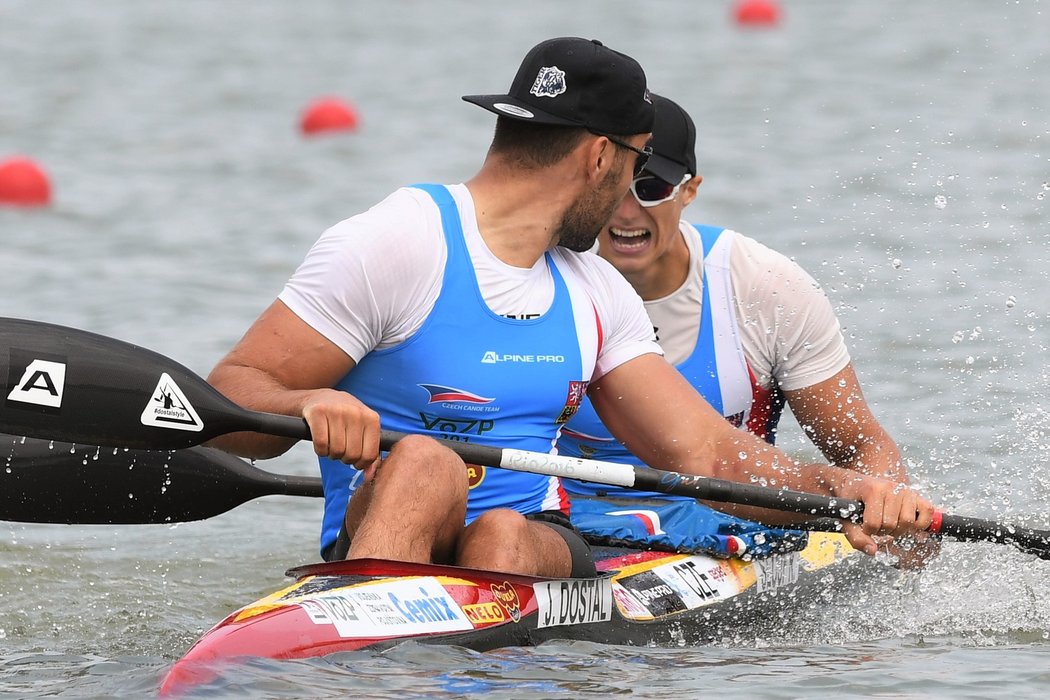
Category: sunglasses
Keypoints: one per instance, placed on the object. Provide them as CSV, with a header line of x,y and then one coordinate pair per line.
x,y
643,153
650,190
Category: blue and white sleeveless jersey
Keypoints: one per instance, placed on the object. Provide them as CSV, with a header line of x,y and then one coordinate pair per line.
x,y
472,375
717,368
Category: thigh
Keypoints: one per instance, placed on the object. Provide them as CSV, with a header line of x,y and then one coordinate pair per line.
x,y
579,550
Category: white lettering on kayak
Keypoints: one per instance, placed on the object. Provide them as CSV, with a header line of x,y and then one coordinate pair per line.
x,y
778,570
41,384
698,580
578,601
168,407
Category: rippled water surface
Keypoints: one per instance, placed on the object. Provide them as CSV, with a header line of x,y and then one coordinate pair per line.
x,y
898,150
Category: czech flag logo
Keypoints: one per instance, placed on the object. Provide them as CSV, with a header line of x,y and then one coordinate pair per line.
x,y
442,394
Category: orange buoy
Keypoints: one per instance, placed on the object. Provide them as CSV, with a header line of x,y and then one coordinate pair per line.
x,y
754,13
23,183
328,114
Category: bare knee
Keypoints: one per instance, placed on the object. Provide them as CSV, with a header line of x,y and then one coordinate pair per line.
x,y
427,464
497,540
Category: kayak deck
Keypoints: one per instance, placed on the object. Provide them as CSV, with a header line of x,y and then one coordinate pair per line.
x,y
637,599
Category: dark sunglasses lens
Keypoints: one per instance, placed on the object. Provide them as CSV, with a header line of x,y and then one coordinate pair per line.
x,y
640,162
652,189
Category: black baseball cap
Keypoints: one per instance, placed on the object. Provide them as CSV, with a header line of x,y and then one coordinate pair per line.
x,y
576,82
673,142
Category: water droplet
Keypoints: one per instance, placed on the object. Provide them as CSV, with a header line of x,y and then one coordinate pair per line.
x,y
1011,302
940,201
897,262
742,455
969,359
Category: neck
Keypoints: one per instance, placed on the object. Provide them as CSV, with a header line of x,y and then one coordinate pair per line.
x,y
519,211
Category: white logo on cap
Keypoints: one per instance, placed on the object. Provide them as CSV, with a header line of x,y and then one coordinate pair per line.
x,y
550,82
513,110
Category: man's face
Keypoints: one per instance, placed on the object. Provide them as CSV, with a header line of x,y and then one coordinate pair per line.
x,y
583,221
636,237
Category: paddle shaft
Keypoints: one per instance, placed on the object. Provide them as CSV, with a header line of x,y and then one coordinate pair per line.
x,y
78,386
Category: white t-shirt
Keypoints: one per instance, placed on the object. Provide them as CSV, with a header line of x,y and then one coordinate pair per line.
x,y
371,280
788,330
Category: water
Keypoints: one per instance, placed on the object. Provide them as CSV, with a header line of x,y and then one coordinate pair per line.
x,y
898,150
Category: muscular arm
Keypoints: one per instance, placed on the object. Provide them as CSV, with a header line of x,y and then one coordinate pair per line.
x,y
836,418
282,365
648,405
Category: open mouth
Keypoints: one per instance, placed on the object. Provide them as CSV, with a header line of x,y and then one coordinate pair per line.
x,y
629,240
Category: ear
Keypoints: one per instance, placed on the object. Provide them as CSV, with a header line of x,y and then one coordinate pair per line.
x,y
600,155
689,190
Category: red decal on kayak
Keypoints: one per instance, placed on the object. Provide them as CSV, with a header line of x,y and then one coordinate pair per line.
x,y
507,597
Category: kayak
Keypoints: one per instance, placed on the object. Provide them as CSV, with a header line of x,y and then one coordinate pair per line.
x,y
639,598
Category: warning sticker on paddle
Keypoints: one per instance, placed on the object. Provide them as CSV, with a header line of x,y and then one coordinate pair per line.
x,y
169,408
776,571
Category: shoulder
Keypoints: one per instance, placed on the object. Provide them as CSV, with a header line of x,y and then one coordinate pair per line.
x,y
758,268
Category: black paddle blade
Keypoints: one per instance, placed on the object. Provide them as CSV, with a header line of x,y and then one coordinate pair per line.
x,y
80,387
42,481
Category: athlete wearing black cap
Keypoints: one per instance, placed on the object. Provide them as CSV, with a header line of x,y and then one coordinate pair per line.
x,y
469,312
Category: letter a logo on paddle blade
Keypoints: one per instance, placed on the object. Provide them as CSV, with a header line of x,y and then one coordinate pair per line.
x,y
42,384
169,408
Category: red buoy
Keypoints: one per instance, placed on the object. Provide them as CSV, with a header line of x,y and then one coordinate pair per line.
x,y
328,114
23,183
757,12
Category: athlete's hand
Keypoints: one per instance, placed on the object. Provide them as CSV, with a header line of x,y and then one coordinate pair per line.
x,y
343,428
890,509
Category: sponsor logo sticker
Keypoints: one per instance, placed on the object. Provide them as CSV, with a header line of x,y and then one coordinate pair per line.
x,y
388,609
42,384
655,595
697,580
484,613
169,408
578,601
778,570
507,597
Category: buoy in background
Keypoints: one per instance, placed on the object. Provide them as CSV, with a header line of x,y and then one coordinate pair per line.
x,y
757,13
23,183
328,114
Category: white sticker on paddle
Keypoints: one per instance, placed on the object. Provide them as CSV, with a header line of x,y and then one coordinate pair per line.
x,y
577,601
42,384
776,571
169,408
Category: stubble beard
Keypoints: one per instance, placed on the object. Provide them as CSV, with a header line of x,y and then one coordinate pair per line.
x,y
583,221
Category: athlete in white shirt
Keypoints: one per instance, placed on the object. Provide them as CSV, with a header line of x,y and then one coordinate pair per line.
x,y
571,133
770,331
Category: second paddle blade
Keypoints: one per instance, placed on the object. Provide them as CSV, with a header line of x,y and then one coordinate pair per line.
x,y
55,482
